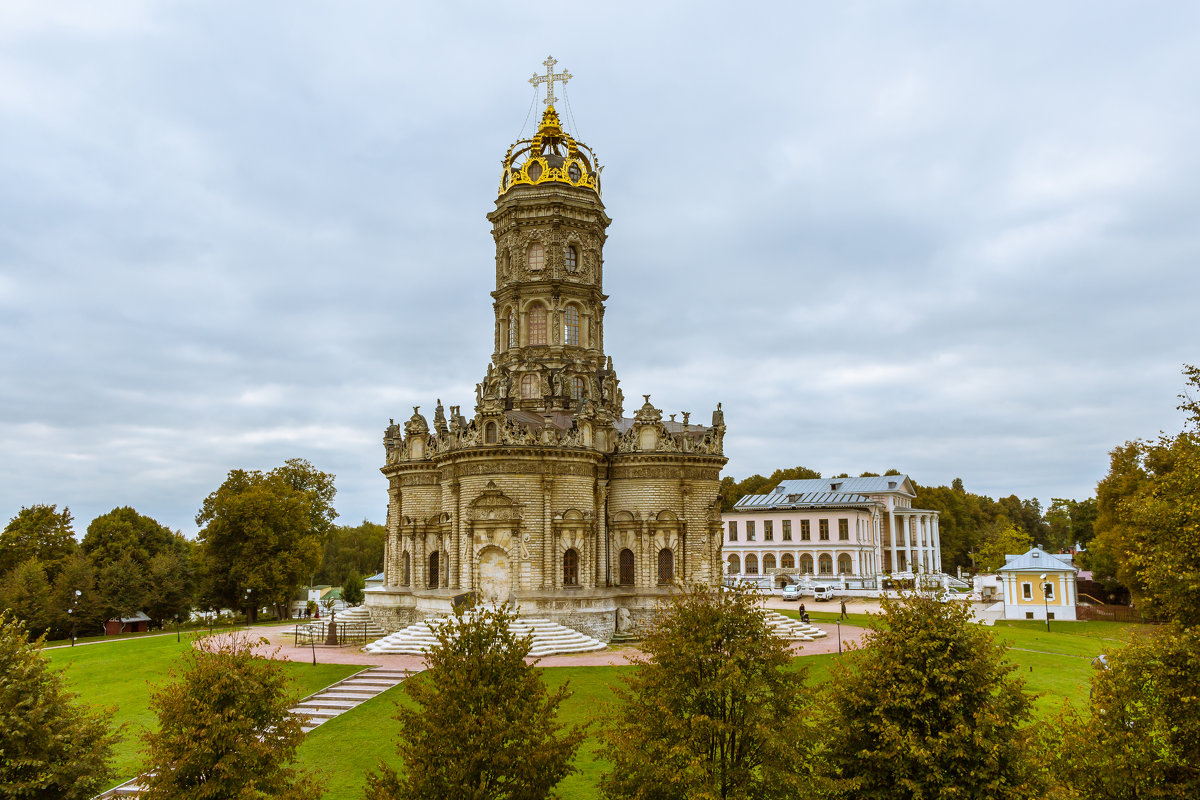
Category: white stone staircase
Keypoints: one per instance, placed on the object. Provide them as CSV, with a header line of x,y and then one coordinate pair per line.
x,y
314,710
548,638
791,629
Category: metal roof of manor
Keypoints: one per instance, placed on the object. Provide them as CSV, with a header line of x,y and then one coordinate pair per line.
x,y
808,499
1038,560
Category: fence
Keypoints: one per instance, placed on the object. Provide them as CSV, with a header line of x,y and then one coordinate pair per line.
x,y
347,633
1109,614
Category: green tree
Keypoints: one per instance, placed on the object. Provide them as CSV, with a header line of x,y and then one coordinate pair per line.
x,y
1140,739
170,588
1003,539
929,709
84,610
481,725
40,532
732,491
352,589
1070,523
1148,517
357,548
51,746
123,531
122,586
25,592
713,710
224,728
262,534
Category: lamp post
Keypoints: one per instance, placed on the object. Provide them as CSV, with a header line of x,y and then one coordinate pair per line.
x,y
71,612
249,608
1046,600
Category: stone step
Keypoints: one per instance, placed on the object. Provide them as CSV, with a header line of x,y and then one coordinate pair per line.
x,y
546,638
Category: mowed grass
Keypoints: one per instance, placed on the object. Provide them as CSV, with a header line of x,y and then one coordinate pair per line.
x,y
118,675
1055,666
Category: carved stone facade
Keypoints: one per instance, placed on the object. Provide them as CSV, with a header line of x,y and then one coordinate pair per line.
x,y
548,495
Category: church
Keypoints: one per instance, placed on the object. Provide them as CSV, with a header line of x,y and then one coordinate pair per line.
x,y
546,495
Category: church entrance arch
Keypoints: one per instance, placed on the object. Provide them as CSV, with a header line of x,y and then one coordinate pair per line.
x,y
495,577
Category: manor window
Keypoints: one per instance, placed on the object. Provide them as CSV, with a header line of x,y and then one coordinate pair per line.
x,y
805,531
768,530
733,530
749,530
787,530
823,530
787,562
825,564
751,564
843,530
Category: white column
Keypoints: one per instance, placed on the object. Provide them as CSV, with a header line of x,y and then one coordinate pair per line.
x,y
892,523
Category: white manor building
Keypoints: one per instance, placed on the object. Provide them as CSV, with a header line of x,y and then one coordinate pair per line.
x,y
845,531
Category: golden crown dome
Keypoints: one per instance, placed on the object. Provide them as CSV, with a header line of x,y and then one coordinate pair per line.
x,y
551,156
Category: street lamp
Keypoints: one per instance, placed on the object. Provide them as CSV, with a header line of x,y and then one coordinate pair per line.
x,y
1046,600
71,612
249,608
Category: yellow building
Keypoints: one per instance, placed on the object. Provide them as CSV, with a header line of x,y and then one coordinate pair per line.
x,y
1038,584
547,495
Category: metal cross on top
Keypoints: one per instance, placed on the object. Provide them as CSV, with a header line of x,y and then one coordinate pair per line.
x,y
549,78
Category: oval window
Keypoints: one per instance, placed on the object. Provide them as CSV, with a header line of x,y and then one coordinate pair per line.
x,y
535,171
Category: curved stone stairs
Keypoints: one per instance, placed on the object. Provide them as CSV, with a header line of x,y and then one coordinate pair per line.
x,y
355,618
314,709
791,629
549,638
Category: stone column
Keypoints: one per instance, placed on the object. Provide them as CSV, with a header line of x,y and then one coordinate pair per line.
x,y
893,524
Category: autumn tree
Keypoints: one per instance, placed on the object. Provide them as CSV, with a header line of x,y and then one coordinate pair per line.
x,y
713,709
262,534
1003,539
1140,738
481,725
51,746
929,708
224,728
42,532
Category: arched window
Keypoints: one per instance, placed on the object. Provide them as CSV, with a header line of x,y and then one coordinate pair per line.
x,y
735,565
433,570
768,562
537,324
751,564
571,568
490,433
407,570
536,256
577,388
787,562
571,326
625,560
529,386
512,329
572,258
806,565
825,563
666,566
845,565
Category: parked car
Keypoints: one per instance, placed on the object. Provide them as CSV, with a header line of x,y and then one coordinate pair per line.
x,y
823,593
791,591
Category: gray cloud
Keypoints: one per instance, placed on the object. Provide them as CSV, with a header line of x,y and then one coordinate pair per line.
x,y
957,240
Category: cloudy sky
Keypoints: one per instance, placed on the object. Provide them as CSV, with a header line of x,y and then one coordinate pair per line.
x,y
958,239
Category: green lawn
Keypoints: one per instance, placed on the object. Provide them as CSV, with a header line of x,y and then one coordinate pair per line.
x,y
118,674
1055,666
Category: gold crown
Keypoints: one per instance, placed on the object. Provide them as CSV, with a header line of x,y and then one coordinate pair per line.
x,y
551,156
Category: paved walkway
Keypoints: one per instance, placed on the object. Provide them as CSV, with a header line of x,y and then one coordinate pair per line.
x,y
282,647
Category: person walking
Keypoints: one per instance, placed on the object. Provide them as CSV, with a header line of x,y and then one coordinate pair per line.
x,y
843,609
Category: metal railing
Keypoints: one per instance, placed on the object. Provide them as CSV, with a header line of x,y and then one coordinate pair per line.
x,y
345,632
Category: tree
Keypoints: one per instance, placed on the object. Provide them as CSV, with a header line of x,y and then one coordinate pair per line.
x,y
51,746
1141,737
25,592
123,531
732,491
262,534
170,588
1148,519
713,711
224,728
1004,539
357,548
929,709
122,587
85,609
352,589
481,725
1070,523
40,532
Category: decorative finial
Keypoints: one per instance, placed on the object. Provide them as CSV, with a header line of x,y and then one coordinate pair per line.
x,y
549,78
